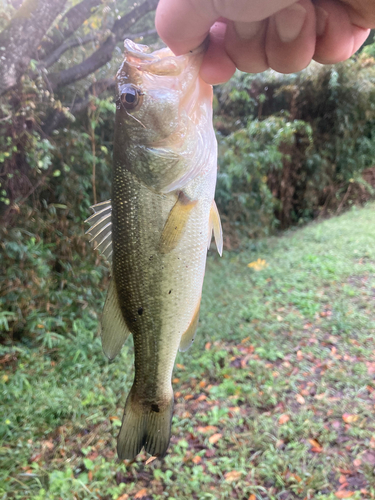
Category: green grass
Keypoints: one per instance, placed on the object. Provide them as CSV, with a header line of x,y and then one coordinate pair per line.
x,y
275,399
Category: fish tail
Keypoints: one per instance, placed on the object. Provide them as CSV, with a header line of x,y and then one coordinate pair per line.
x,y
148,426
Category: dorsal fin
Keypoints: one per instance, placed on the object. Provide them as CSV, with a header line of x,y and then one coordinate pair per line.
x,y
100,228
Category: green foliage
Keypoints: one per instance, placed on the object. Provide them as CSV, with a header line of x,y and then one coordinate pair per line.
x,y
294,146
247,158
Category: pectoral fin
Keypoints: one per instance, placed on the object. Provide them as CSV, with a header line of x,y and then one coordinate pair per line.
x,y
176,222
215,225
114,331
188,337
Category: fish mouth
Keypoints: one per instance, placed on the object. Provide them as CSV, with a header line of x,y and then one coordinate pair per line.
x,y
160,62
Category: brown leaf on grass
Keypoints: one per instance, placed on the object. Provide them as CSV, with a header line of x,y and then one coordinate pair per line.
x,y
342,479
300,399
197,459
141,493
357,462
215,438
207,429
252,497
344,494
316,447
180,367
349,419
233,475
283,419
151,459
125,496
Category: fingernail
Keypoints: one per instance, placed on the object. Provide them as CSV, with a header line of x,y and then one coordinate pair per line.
x,y
289,22
247,31
321,20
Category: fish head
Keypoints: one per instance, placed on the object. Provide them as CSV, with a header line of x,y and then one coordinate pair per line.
x,y
159,95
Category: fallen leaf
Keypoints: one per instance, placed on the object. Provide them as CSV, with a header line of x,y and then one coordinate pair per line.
x,y
188,397
316,447
90,475
151,459
233,475
208,428
181,367
342,479
349,419
357,462
284,419
125,496
215,438
344,494
258,265
197,459
300,399
141,493
320,396
252,497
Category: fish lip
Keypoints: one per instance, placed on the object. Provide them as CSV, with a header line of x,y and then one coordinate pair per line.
x,y
143,53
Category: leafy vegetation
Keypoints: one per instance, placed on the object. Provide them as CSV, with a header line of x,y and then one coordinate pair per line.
x,y
295,146
274,400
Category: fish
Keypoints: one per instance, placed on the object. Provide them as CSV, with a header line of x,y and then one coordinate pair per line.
x,y
156,229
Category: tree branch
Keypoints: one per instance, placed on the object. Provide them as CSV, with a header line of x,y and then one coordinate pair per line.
x,y
74,42
104,53
68,44
20,39
70,22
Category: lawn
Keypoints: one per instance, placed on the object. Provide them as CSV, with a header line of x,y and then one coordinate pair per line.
x,y
274,400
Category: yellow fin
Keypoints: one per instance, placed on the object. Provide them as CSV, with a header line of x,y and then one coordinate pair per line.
x,y
188,337
114,330
215,225
176,222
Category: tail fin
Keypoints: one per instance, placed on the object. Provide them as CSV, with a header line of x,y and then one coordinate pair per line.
x,y
142,426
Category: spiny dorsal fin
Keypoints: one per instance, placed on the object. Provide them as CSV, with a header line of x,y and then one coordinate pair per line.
x,y
215,225
101,228
176,222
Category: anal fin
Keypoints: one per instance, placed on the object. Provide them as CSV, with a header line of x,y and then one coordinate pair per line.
x,y
176,223
188,337
114,330
215,225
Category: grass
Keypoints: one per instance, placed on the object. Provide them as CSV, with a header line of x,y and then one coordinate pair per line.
x,y
275,399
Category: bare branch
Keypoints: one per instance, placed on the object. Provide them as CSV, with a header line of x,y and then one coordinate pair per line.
x,y
68,44
20,39
74,42
70,22
104,53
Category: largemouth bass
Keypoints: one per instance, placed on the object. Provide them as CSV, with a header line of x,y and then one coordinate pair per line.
x,y
156,229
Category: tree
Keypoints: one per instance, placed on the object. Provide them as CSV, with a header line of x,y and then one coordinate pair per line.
x,y
55,56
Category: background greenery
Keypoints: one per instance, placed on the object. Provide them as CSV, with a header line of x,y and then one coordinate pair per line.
x,y
293,148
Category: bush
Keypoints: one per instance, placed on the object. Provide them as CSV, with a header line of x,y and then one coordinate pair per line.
x,y
301,146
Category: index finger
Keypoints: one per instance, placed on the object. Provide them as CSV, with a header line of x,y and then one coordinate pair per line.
x,y
184,24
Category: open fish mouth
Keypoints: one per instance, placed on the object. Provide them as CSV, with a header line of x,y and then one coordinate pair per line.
x,y
160,62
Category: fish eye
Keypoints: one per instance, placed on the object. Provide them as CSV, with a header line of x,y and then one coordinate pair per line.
x,y
130,97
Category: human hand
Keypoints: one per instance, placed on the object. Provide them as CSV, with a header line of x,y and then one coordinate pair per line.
x,y
254,35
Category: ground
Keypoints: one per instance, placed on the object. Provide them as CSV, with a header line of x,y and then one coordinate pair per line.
x,y
274,400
